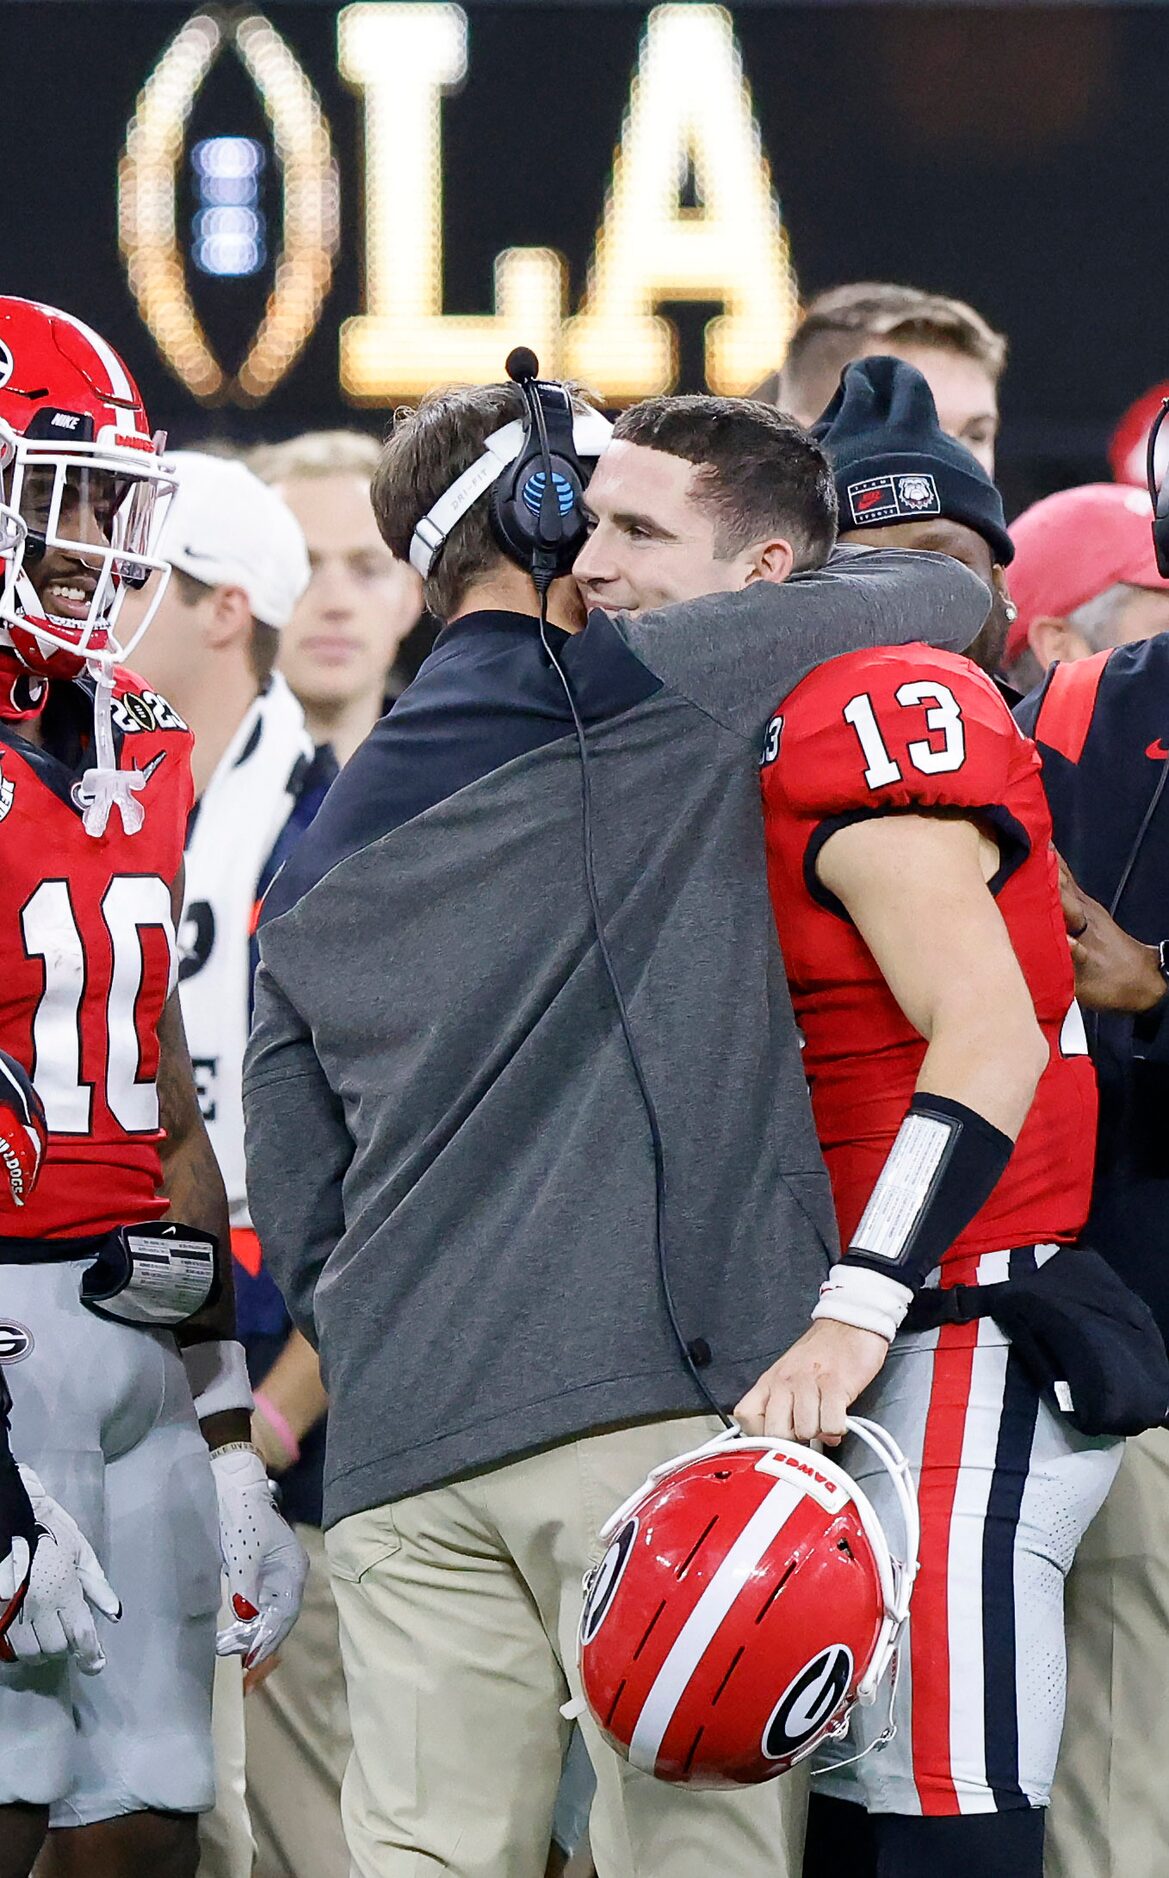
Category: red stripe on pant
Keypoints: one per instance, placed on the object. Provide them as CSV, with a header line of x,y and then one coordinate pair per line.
x,y
929,1624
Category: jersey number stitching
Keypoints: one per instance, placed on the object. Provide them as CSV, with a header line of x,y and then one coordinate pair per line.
x,y
944,715
51,933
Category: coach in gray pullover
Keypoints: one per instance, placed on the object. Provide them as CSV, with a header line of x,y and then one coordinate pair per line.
x,y
449,1164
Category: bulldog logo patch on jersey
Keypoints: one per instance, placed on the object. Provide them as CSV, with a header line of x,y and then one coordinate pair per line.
x,y
7,791
882,499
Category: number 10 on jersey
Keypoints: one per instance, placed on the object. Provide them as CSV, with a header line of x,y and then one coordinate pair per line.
x,y
51,933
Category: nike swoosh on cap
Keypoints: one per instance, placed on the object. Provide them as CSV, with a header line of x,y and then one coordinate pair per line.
x,y
1158,751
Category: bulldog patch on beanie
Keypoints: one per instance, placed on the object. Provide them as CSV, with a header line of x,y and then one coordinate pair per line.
x,y
892,499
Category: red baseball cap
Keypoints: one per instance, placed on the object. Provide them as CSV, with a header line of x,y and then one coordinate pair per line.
x,y
1128,447
1073,546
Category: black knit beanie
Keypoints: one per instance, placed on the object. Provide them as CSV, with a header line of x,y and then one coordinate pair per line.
x,y
893,462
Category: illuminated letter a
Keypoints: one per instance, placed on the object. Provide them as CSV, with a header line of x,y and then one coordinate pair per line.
x,y
691,108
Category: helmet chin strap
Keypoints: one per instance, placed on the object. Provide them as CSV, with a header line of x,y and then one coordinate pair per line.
x,y
106,787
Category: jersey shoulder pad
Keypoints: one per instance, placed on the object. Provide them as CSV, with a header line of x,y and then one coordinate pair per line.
x,y
899,728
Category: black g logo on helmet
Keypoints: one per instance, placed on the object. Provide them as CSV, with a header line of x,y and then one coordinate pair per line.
x,y
606,1578
808,1702
16,1341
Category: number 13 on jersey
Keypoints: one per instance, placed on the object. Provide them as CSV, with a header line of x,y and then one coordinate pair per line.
x,y
943,717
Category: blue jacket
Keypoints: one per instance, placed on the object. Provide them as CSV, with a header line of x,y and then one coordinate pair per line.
x,y
1102,726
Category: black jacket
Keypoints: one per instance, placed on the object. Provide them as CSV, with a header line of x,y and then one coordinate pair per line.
x,y
1102,726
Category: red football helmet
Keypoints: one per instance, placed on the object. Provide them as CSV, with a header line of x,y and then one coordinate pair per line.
x,y
747,1600
83,491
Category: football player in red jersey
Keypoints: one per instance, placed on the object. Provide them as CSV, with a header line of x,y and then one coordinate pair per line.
x,y
915,891
125,1236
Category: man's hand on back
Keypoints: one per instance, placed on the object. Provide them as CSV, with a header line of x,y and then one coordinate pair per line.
x,y
806,1395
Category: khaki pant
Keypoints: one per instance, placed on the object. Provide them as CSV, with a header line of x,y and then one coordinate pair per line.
x,y
458,1624
299,1741
1109,1813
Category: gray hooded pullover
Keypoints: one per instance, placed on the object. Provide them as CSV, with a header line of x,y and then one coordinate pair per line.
x,y
450,1167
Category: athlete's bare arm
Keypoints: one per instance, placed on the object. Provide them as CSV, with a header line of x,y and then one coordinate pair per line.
x,y
915,888
294,1388
194,1187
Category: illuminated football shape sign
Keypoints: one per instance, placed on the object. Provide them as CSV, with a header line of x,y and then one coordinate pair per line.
x,y
147,217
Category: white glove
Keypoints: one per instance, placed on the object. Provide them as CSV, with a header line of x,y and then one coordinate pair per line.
x,y
266,1564
65,1580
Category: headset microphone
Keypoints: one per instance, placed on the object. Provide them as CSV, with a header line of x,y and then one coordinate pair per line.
x,y
523,368
537,504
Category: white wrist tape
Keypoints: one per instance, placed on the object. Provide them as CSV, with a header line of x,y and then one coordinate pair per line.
x,y
218,1375
852,1294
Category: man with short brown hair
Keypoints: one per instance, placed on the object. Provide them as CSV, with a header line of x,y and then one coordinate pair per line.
x,y
960,356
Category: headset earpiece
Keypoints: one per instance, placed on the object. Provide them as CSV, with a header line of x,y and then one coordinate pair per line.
x,y
536,504
1158,496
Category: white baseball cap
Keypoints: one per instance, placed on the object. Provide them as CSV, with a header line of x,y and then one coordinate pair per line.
x,y
228,529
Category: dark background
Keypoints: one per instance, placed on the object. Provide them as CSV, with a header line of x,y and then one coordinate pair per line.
x,y
1012,155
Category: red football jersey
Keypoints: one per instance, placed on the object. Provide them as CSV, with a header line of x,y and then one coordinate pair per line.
x,y
911,728
87,960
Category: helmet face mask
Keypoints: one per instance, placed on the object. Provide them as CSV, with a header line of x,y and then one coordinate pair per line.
x,y
83,493
747,1601
88,519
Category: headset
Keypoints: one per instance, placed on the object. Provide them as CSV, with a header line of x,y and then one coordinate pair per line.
x,y
1160,501
1158,497
537,468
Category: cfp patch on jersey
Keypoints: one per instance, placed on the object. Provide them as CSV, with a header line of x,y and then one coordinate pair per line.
x,y
16,1341
892,499
6,364
7,792
145,711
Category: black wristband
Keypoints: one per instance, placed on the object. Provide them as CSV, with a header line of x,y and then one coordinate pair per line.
x,y
940,1171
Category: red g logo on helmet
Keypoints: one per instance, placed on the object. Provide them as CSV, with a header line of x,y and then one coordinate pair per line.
x,y
747,1600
